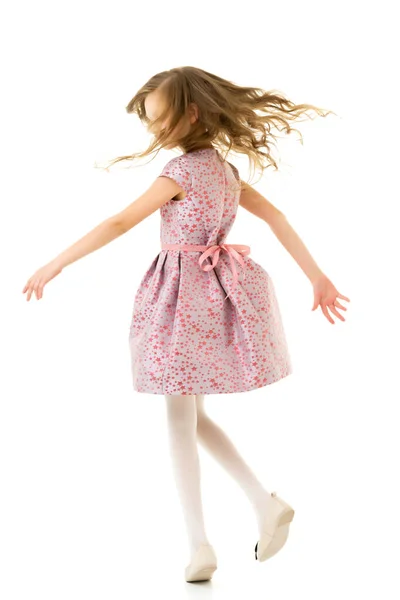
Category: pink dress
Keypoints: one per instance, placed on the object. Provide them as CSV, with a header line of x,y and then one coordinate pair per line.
x,y
185,336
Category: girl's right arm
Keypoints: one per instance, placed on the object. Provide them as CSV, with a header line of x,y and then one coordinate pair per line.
x,y
259,206
255,203
325,293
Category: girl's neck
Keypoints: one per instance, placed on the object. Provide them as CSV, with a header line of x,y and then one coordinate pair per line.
x,y
200,148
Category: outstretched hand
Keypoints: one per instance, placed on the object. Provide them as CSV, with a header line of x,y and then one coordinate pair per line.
x,y
39,279
325,295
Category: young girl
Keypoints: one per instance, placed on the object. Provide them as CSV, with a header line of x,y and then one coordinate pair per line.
x,y
205,318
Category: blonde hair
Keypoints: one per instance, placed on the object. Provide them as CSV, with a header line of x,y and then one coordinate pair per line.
x,y
228,118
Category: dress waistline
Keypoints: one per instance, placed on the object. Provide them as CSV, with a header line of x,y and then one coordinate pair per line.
x,y
235,251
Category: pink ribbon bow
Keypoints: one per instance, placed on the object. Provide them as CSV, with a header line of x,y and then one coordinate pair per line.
x,y
235,251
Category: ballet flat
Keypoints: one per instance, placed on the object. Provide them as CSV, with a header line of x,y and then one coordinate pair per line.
x,y
275,529
203,565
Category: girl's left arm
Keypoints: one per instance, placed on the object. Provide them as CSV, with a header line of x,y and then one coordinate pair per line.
x,y
101,235
160,192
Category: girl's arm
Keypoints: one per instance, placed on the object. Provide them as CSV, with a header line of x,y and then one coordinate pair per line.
x,y
101,235
296,248
255,203
162,190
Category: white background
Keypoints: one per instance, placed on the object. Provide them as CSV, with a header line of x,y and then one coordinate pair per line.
x,y
88,505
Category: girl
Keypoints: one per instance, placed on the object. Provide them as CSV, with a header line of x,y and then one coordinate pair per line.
x,y
199,326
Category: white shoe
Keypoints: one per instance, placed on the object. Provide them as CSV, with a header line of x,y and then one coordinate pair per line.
x,y
275,528
203,565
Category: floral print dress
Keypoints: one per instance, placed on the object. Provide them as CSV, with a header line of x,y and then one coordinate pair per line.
x,y
199,329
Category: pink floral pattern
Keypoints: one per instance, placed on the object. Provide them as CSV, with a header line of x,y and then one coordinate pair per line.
x,y
183,338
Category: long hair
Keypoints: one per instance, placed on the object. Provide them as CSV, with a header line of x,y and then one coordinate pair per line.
x,y
230,117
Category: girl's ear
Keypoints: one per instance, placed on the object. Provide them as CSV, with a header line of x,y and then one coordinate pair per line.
x,y
193,112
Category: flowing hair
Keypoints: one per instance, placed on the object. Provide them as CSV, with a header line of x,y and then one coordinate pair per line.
x,y
230,117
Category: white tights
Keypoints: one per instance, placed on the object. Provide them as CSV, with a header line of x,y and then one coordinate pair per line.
x,y
187,424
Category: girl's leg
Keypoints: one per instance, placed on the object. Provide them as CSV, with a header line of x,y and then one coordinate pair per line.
x,y
182,424
217,443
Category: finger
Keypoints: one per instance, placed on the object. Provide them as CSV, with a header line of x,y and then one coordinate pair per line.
x,y
39,289
343,297
316,302
26,286
337,303
335,312
35,286
328,316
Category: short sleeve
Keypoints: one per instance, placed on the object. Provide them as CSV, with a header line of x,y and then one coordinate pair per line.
x,y
178,170
235,171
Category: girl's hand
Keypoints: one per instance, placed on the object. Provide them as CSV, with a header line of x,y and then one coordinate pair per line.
x,y
325,294
39,279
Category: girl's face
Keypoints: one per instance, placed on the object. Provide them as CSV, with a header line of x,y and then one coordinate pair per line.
x,y
154,105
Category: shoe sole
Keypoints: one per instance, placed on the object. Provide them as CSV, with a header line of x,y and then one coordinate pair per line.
x,y
280,537
202,575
